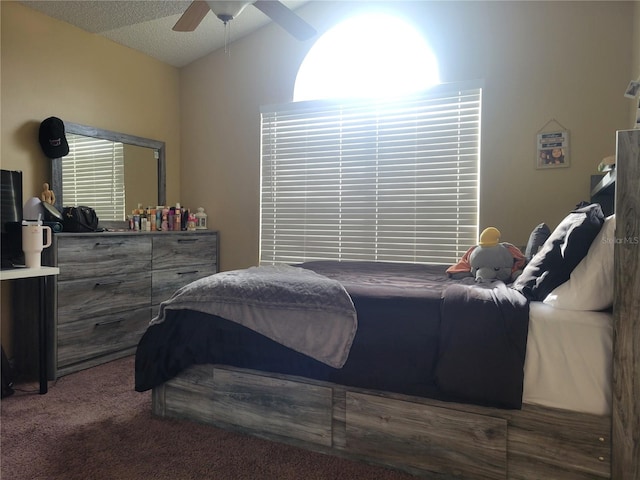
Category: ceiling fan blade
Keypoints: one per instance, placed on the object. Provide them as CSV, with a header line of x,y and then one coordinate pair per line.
x,y
286,18
192,16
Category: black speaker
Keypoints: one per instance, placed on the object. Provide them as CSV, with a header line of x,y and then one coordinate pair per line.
x,y
11,217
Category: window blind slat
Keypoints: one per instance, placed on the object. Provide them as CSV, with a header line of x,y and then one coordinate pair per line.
x,y
93,175
387,180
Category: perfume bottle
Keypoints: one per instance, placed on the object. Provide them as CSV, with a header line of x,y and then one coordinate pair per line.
x,y
191,224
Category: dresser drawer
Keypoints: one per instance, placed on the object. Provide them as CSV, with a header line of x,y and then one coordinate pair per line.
x,y
173,251
100,336
166,282
102,255
84,298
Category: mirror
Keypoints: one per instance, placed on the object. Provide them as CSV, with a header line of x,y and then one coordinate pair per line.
x,y
141,178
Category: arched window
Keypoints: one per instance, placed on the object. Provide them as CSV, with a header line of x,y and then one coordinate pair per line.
x,y
368,162
367,56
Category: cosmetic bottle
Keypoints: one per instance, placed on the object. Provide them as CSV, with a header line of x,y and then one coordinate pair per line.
x,y
191,223
184,218
152,219
144,220
165,219
170,220
177,218
159,209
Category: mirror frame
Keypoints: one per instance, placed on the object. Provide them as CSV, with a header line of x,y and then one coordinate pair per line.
x,y
87,131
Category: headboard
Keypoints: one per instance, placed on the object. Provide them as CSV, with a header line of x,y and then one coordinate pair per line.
x,y
626,311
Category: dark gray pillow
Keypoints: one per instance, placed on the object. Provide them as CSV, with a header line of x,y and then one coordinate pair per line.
x,y
561,253
537,238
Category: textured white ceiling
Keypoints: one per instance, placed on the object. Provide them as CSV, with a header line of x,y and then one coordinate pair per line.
x,y
146,25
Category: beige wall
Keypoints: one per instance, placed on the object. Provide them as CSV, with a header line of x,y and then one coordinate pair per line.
x,y
50,68
539,61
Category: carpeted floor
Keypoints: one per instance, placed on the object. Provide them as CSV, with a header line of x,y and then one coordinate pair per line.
x,y
92,425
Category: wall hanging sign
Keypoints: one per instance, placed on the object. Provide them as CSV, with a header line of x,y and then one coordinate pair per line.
x,y
552,146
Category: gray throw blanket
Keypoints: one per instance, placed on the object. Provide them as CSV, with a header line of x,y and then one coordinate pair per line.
x,y
298,308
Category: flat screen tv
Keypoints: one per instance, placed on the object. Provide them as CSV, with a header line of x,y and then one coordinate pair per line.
x,y
11,217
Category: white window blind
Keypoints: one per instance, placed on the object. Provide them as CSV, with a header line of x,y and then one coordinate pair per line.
x,y
93,175
378,180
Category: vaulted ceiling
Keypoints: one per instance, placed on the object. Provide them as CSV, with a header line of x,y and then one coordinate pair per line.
x,y
146,26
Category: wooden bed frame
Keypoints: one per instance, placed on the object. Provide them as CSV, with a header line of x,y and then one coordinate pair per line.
x,y
442,439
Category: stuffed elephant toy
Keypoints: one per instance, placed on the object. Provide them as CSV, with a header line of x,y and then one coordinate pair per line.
x,y
491,263
491,260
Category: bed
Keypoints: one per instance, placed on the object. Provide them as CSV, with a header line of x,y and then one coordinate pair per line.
x,y
415,332
569,424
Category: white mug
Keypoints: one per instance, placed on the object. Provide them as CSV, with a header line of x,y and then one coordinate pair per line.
x,y
32,243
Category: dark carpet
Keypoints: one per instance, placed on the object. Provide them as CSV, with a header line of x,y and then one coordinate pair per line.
x,y
92,425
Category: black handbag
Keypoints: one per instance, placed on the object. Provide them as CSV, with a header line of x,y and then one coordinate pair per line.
x,y
79,219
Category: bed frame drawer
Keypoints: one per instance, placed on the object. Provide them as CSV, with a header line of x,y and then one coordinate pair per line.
x,y
426,437
559,444
251,403
275,405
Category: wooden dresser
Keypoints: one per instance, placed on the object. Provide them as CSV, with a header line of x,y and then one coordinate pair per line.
x,y
110,286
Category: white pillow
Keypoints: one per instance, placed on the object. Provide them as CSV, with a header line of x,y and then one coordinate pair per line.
x,y
590,286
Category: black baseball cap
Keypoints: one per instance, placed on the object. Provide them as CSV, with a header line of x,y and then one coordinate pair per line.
x,y
52,138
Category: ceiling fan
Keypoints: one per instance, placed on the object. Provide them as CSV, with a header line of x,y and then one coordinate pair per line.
x,y
227,11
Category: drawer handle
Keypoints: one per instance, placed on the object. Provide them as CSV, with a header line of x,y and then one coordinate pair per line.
x,y
109,322
108,245
187,240
109,284
190,272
